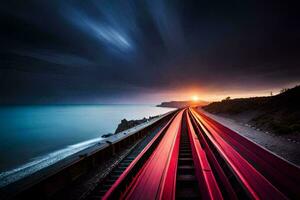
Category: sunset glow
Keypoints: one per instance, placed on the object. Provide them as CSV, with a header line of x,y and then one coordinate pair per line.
x,y
195,98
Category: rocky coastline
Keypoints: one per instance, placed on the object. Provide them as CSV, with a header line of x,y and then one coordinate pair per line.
x,y
127,124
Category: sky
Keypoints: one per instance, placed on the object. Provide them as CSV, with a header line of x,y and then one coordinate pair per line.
x,y
146,51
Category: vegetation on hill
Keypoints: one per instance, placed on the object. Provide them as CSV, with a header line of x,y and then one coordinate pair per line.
x,y
279,113
127,124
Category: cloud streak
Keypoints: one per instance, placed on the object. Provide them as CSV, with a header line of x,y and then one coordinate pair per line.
x,y
106,33
100,50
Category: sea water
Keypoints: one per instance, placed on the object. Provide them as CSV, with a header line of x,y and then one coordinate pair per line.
x,y
34,137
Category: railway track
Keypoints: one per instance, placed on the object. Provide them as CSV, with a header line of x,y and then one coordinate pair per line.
x,y
187,186
194,157
105,184
261,174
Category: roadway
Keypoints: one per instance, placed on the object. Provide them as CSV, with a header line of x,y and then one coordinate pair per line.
x,y
195,157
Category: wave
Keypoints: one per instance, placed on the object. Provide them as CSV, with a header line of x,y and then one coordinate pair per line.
x,y
41,162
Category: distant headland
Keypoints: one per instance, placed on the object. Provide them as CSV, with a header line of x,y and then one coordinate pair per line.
x,y
182,104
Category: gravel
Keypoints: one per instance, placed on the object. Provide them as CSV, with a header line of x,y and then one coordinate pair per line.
x,y
285,146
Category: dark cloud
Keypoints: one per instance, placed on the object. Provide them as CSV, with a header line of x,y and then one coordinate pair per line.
x,y
98,51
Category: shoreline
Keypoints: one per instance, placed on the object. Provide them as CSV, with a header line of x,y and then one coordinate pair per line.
x,y
28,133
68,154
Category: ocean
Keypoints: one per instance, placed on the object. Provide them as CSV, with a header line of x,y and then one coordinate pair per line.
x,y
33,137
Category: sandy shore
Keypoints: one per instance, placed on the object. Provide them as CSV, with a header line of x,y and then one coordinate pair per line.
x,y
286,146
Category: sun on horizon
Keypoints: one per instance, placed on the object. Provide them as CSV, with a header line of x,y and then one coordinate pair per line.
x,y
195,98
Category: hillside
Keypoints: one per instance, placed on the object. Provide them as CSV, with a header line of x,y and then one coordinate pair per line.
x,y
127,124
279,113
182,104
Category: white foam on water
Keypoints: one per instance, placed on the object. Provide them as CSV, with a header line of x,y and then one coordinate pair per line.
x,y
41,162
